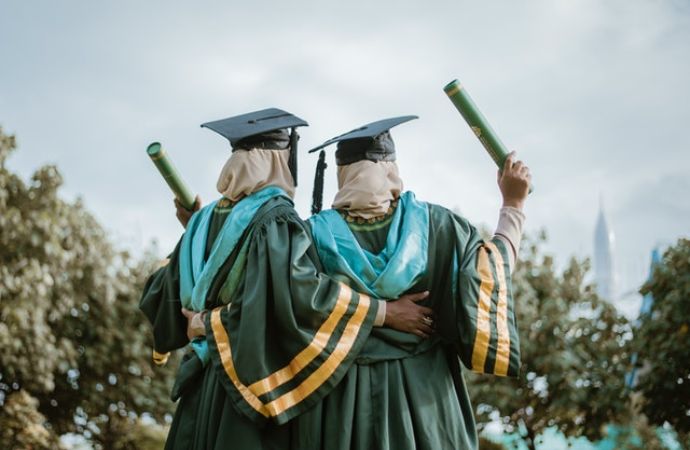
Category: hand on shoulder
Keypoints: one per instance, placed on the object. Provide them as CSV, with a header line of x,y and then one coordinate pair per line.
x,y
404,314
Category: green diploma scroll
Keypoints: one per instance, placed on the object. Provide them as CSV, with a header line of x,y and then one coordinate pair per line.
x,y
170,174
477,122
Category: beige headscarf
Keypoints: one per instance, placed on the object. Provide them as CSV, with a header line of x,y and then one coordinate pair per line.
x,y
247,171
367,188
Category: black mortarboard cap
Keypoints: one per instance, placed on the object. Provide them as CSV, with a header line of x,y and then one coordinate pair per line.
x,y
371,142
237,128
266,128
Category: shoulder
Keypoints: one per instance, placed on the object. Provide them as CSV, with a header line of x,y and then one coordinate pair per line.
x,y
277,226
323,224
205,210
444,221
437,213
324,217
441,215
277,209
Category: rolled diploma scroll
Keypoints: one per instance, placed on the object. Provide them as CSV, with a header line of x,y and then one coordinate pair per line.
x,y
170,174
477,122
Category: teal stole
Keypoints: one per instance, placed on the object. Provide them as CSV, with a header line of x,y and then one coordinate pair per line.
x,y
196,272
388,274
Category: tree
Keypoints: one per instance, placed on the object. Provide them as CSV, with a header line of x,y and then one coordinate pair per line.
x,y
574,355
22,424
662,342
76,351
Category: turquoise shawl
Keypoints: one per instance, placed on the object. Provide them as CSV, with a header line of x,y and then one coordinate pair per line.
x,y
388,274
196,272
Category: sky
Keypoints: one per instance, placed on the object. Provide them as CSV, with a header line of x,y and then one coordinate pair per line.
x,y
592,94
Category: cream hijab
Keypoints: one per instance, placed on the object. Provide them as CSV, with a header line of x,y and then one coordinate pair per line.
x,y
367,188
248,171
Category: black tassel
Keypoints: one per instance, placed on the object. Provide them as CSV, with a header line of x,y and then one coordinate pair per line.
x,y
292,161
317,194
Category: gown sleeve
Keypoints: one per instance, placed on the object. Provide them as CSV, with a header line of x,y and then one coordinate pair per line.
x,y
484,331
161,304
290,333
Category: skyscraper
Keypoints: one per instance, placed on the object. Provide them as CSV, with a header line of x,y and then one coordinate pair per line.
x,y
604,273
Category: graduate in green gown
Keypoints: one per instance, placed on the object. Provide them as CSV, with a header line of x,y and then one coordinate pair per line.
x,y
269,335
404,391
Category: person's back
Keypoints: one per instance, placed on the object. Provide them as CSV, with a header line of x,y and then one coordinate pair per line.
x,y
407,392
270,334
208,268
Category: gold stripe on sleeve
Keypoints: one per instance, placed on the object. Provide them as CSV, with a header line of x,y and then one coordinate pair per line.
x,y
225,352
483,323
316,378
315,347
503,346
320,375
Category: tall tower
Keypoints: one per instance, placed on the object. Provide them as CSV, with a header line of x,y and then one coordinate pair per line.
x,y
603,257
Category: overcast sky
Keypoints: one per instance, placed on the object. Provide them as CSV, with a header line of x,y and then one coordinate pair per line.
x,y
592,94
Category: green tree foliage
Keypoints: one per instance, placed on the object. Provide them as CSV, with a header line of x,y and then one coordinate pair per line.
x,y
663,343
574,355
22,424
76,353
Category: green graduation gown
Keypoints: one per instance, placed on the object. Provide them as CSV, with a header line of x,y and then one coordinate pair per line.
x,y
405,392
280,335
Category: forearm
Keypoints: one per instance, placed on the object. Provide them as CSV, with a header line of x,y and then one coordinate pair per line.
x,y
197,328
509,230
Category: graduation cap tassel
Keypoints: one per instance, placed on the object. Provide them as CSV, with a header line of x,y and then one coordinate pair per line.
x,y
317,194
292,161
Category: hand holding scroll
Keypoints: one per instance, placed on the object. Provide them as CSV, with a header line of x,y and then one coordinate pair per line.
x,y
514,181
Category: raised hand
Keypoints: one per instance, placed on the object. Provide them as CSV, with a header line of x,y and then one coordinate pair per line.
x,y
514,181
183,214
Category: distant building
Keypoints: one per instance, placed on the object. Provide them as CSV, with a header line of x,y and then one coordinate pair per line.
x,y
648,300
645,309
604,269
